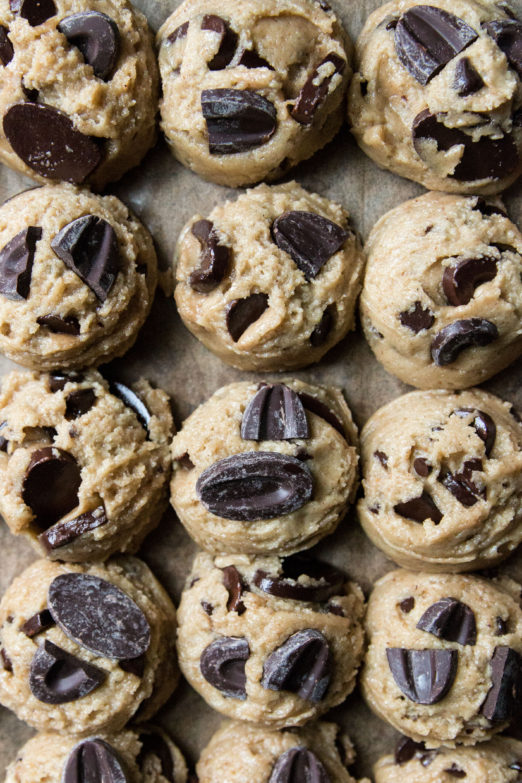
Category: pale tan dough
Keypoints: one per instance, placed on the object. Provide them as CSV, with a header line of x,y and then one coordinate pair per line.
x,y
107,329
294,36
409,250
124,467
457,717
280,339
123,695
212,433
385,98
266,623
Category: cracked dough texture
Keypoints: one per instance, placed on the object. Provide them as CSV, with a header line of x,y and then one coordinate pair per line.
x,y
457,717
122,695
411,246
382,117
107,329
122,110
424,425
294,36
266,623
212,432
280,338
123,467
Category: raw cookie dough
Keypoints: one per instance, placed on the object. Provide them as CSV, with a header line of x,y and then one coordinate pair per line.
x,y
444,662
84,472
265,468
269,281
78,94
437,95
441,305
442,477
144,755
77,278
251,87
86,648
275,642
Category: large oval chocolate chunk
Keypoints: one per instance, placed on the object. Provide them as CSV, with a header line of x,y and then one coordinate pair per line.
x,y
6,47
97,37
424,676
450,619
303,665
35,11
66,532
94,760
309,239
99,616
213,260
484,426
503,699
132,401
222,664
507,33
47,141
242,313
460,280
323,580
237,120
274,413
298,765
153,744
50,485
57,677
417,318
315,89
227,41
255,485
419,509
454,338
16,263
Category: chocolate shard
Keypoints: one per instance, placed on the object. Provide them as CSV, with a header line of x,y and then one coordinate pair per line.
x,y
461,487
507,33
323,580
274,413
35,11
59,378
222,664
179,33
255,485
302,665
153,744
418,318
252,59
451,340
467,80
97,37
236,586
242,313
6,47
237,120
134,666
39,622
78,403
58,324
94,760
16,263
214,258
315,89
460,280
503,700
50,485
484,426
318,408
424,676
132,401
455,771
419,509
227,41
382,457
63,533
309,239
298,765
407,604
450,619
487,209
6,662
406,749
57,677
321,332
99,616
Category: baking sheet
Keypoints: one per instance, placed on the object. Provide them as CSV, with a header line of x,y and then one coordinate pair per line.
x,y
165,195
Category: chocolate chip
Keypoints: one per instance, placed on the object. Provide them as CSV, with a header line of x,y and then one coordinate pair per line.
x,y
424,676
467,79
6,661
59,325
39,622
500,627
382,457
99,616
332,608
185,462
318,408
50,485
179,33
4,443
89,246
222,664
298,765
406,749
227,41
274,413
214,258
461,487
484,426
323,580
153,744
418,318
422,467
235,585
487,209
16,263
507,34
237,120
322,331
419,509
35,11
302,665
242,313
134,666
58,379
78,403
132,401
460,280
94,759
309,239
66,532
455,772
6,47
251,59
57,677
407,604
454,338
450,619
503,700
315,89
97,37
207,608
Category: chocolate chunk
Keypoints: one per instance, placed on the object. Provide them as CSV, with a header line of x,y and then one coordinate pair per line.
x,y
39,622
461,487
58,379
213,260
422,467
235,585
94,760
315,89
7,664
99,616
507,33
460,280
6,47
467,79
237,120
322,331
487,209
455,771
503,700
298,765
50,485
35,11
66,532
79,402
500,627
185,462
132,401
419,509
89,246
417,319
227,44
179,33
207,608
57,677
16,263
242,313
255,485
318,408
407,604
134,666
424,676
323,580
4,443
153,744
450,619
222,664
251,59
302,665
484,426
59,325
309,239
97,37
406,749
274,413
454,338
382,457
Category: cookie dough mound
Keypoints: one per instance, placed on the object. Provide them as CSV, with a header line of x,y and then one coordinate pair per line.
x,y
442,477
444,660
436,97
78,274
85,648
84,465
78,90
441,305
251,87
275,642
269,281
262,469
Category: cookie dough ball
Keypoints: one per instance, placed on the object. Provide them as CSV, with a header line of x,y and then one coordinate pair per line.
x,y
442,477
84,466
85,648
265,468
441,305
269,281
444,662
78,89
437,95
275,642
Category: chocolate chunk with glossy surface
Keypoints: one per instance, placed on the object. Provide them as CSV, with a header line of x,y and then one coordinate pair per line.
x,y
484,426
274,413
449,342
406,749
503,700
50,485
213,260
6,47
59,325
507,33
222,664
242,313
228,41
323,580
309,239
132,401
94,760
460,280
57,677
315,89
153,744
298,765
422,467
16,263
450,619
467,79
78,403
418,318
461,486
58,379
419,509
237,120
322,331
302,665
318,408
39,622
424,676
66,532
235,585
97,37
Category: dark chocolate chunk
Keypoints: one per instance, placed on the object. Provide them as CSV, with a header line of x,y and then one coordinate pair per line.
x,y
4,443
213,260
7,664
39,622
179,33
79,402
467,80
507,33
35,11
450,619
461,487
424,676
227,41
454,338
58,379
66,532
58,324
322,331
134,666
298,765
315,89
418,318
153,744
382,457
94,760
222,664
318,408
323,580
207,608
237,120
50,485
274,413
455,771
407,604
97,37
406,749
242,313
484,426
422,467
419,509
487,209
303,665
6,47
132,401
500,627
16,263
185,462
503,700
251,59
235,585
460,280
57,677
309,239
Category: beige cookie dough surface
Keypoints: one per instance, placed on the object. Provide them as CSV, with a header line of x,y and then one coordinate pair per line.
x,y
413,246
295,38
266,623
385,99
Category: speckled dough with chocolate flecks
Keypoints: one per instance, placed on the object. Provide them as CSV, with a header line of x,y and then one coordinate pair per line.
x,y
441,304
269,281
265,468
84,465
251,87
78,89
437,95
